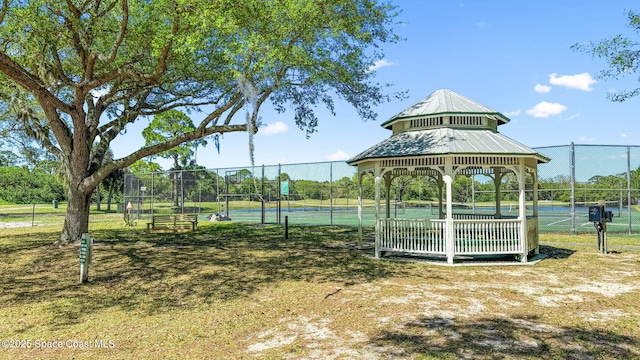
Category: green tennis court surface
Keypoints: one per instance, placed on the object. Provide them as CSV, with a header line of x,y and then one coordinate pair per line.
x,y
550,219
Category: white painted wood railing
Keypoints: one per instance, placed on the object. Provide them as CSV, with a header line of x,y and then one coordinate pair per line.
x,y
532,233
476,237
418,236
471,236
472,216
480,217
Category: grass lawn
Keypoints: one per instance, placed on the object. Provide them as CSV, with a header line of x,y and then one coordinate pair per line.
x,y
241,291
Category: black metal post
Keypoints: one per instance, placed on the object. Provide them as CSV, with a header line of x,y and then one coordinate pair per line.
x,y
286,227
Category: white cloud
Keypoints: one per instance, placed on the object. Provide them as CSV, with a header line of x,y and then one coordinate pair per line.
x,y
539,88
513,113
579,81
586,139
338,155
381,63
275,128
546,109
623,135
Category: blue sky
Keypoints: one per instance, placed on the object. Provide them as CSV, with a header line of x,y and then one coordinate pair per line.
x,y
512,56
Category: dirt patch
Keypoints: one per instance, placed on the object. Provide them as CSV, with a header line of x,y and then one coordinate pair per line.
x,y
16,224
517,311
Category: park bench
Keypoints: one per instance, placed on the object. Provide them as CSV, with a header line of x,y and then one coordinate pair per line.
x,y
172,223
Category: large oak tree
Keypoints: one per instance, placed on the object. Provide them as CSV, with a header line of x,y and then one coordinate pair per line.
x,y
92,67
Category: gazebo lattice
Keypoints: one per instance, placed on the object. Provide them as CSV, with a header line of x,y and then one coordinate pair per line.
x,y
443,136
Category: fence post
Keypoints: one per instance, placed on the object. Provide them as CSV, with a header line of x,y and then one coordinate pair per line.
x,y
286,227
573,188
279,194
331,193
182,191
226,192
262,215
153,195
629,185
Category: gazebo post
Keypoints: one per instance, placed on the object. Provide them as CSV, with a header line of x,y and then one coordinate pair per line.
x,y
449,234
387,186
522,211
440,184
534,173
360,210
377,181
497,182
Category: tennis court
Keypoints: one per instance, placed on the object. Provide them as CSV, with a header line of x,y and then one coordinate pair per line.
x,y
552,217
326,193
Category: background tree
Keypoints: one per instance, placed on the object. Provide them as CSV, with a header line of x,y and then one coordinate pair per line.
x,y
621,53
461,189
93,67
400,184
114,184
8,158
19,185
167,125
144,166
347,189
423,188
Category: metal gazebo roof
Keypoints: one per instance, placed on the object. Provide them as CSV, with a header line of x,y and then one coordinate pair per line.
x,y
443,141
446,140
446,101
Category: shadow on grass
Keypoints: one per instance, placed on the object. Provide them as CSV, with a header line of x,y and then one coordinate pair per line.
x,y
499,338
228,261
134,271
553,252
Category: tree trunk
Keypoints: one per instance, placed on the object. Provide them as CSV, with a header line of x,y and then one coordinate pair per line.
x,y
98,199
109,198
76,221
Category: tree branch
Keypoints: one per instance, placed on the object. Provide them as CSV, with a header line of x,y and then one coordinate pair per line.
x,y
219,111
107,168
57,65
4,10
30,82
123,30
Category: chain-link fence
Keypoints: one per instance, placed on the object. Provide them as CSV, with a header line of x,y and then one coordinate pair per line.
x,y
581,175
326,193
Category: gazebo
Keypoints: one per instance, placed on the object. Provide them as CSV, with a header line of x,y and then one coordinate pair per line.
x,y
443,136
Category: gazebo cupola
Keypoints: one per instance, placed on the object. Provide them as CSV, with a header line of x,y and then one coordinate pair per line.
x,y
445,108
443,136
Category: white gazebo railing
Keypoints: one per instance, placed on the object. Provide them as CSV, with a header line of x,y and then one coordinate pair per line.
x,y
471,235
418,236
487,237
